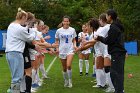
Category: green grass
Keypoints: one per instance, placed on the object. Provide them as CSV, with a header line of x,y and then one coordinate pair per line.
x,y
81,84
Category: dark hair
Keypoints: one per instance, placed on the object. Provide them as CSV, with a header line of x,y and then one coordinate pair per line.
x,y
67,17
94,23
112,13
30,16
103,17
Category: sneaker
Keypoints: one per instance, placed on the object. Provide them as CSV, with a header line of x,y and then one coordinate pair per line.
x,y
98,86
70,84
81,73
66,83
86,74
110,90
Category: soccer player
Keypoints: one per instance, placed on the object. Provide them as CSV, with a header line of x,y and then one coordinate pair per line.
x,y
116,49
27,79
107,57
84,55
65,36
100,75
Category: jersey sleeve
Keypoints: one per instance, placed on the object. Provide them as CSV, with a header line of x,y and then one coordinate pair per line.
x,y
79,35
57,34
74,33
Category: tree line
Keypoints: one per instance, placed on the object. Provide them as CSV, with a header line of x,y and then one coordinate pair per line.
x,y
80,11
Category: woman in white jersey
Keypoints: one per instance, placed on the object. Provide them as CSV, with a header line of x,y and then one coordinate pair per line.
x,y
84,55
107,58
65,36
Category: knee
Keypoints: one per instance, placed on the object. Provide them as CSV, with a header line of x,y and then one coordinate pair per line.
x,y
107,69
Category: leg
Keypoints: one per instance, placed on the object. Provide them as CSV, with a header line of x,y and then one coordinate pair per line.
x,y
64,66
117,72
28,79
81,63
100,75
42,68
87,63
16,64
69,71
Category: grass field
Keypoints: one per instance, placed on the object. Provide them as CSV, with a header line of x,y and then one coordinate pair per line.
x,y
81,84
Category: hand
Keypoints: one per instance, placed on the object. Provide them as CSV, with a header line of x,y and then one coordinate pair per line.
x,y
56,51
47,37
38,48
55,45
96,37
77,50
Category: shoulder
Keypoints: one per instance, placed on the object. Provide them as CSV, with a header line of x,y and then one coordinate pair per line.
x,y
60,29
71,28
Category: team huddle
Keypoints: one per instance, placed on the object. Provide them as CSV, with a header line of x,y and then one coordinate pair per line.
x,y
26,48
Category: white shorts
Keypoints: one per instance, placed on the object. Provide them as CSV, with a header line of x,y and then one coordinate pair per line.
x,y
101,50
64,55
32,53
86,51
105,52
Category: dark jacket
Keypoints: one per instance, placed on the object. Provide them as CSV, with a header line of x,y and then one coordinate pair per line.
x,y
115,39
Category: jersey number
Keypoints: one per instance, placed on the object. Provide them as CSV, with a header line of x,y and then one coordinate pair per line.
x,y
66,40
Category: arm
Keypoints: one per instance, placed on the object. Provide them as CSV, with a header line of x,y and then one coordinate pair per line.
x,y
86,45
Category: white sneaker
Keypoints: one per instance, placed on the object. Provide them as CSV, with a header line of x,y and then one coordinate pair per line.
x,y
110,90
70,84
66,83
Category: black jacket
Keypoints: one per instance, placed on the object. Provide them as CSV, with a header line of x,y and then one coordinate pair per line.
x,y
115,39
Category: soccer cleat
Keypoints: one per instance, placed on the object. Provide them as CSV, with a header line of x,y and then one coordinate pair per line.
x,y
99,86
70,84
66,83
81,73
110,90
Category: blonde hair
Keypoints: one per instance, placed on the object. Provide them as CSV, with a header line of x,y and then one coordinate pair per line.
x,y
20,14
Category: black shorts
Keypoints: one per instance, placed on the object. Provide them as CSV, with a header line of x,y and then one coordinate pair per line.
x,y
27,62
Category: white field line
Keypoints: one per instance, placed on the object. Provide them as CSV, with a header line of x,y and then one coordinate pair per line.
x,y
49,67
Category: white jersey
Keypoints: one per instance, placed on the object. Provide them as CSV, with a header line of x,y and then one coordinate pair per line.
x,y
85,37
65,37
91,36
38,35
100,48
104,31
